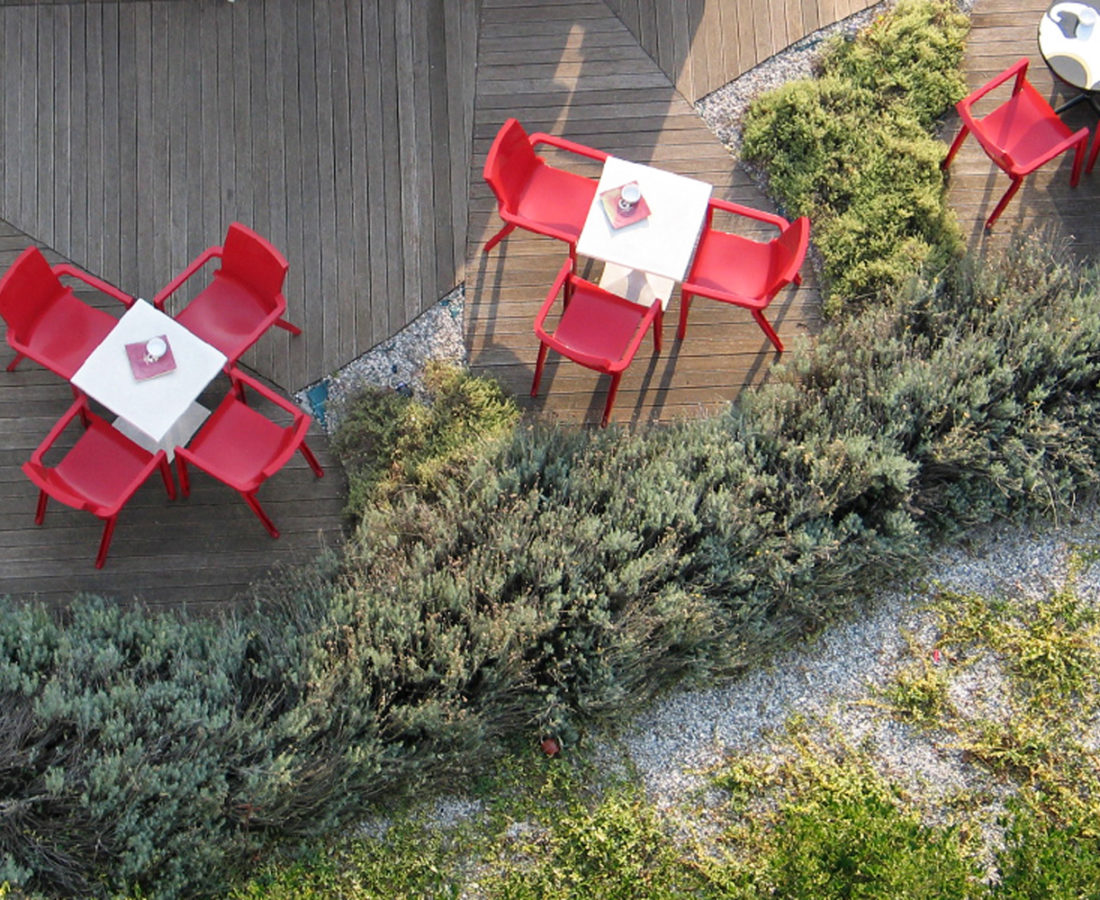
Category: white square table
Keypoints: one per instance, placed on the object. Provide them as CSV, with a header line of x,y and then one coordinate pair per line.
x,y
157,413
644,260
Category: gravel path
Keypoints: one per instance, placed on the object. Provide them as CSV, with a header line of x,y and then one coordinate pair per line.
x,y
678,738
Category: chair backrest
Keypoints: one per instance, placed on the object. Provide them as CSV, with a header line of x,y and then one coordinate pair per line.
x,y
27,288
790,251
251,260
510,163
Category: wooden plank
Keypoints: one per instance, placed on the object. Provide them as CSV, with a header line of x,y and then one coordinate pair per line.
x,y
131,68
77,75
326,339
150,148
373,214
410,212
307,354
345,34
438,138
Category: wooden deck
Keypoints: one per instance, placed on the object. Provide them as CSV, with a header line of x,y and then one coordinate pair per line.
x,y
133,133
1004,31
586,77
608,73
199,553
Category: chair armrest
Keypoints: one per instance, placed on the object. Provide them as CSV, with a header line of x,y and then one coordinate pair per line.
x,y
45,479
77,408
1017,70
643,326
98,283
541,137
239,379
174,285
1081,136
746,211
555,289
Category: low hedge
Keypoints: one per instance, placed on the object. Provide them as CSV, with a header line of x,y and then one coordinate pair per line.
x,y
559,576
550,577
855,149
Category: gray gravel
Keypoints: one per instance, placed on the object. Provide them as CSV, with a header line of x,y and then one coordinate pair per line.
x,y
678,739
675,741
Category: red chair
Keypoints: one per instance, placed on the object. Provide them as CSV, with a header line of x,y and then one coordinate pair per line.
x,y
597,329
534,195
242,448
100,473
1020,135
735,269
243,300
46,321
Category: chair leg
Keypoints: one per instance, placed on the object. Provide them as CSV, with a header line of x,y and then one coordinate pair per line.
x,y
611,392
105,541
1078,160
959,138
254,505
40,510
498,237
287,326
185,482
166,474
768,330
685,305
658,327
1092,153
20,356
538,369
312,460
1009,194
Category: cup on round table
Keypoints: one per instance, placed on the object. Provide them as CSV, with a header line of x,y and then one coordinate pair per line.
x,y
629,195
1086,21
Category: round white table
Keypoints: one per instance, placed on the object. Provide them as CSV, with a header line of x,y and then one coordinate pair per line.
x,y
1070,45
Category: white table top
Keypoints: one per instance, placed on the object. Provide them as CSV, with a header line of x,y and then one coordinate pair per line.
x,y
154,405
664,242
1075,58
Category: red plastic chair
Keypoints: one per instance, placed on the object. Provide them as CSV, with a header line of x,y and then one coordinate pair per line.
x,y
735,269
1020,135
242,448
597,329
534,195
243,300
100,473
46,321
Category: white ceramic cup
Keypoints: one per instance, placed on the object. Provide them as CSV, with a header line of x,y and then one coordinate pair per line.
x,y
629,196
155,348
1086,20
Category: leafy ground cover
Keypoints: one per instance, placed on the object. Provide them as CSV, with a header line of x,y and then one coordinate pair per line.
x,y
811,814
500,588
854,149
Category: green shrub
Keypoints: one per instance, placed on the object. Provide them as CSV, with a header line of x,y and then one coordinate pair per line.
x,y
389,441
562,576
854,149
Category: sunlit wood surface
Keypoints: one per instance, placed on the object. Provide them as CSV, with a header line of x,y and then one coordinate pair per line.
x,y
584,76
